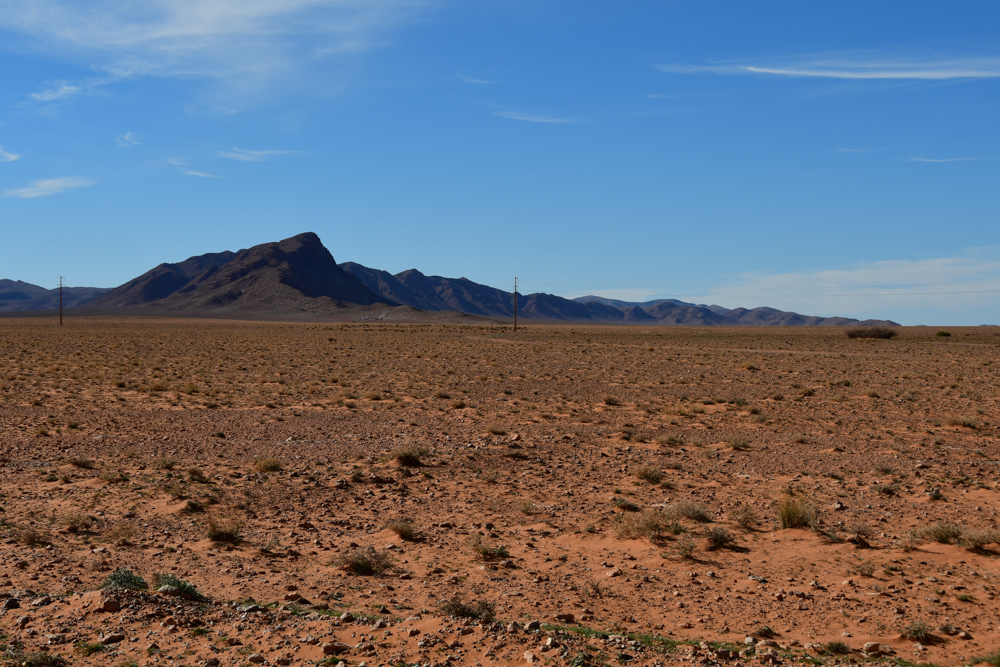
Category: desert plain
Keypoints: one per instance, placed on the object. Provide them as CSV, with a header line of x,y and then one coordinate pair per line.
x,y
201,492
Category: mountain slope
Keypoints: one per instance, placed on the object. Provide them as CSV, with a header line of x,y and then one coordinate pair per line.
x,y
413,288
19,296
297,274
162,281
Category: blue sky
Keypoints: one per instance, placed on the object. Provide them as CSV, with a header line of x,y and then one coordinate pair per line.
x,y
833,159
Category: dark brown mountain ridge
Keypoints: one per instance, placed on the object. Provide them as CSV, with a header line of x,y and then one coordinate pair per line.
x,y
298,277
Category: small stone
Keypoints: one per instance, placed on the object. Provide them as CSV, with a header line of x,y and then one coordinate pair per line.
x,y
335,648
750,641
256,657
412,632
171,591
964,635
872,649
529,657
110,605
211,662
11,603
566,618
113,638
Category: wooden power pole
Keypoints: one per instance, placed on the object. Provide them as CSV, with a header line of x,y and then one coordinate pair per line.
x,y
60,299
515,303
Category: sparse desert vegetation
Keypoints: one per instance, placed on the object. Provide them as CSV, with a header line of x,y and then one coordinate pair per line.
x,y
658,484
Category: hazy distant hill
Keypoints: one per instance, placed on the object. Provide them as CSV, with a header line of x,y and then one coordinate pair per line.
x,y
18,296
671,311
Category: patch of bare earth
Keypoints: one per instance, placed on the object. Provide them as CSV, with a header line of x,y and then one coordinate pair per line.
x,y
196,492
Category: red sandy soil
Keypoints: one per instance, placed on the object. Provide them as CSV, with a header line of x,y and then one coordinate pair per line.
x,y
563,483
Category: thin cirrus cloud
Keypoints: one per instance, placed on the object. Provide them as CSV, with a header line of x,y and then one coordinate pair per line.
x,y
201,174
50,186
253,156
531,118
842,149
6,156
943,159
128,139
59,91
243,46
856,67
475,80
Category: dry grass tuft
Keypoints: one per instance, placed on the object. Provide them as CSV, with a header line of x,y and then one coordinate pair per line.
x,y
648,524
795,512
402,526
365,561
485,551
479,610
650,474
871,332
224,529
267,464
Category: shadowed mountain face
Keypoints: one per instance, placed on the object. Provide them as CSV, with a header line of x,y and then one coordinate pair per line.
x,y
17,296
162,281
413,288
297,274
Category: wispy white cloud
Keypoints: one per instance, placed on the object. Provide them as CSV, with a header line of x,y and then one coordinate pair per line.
x,y
241,45
51,186
530,118
176,161
201,174
948,284
475,80
128,139
943,159
8,157
841,149
857,66
60,91
252,156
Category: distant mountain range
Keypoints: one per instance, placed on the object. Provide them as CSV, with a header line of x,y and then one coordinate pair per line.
x,y
298,276
18,296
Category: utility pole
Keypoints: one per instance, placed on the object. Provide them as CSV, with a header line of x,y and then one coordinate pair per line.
x,y
60,299
515,303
